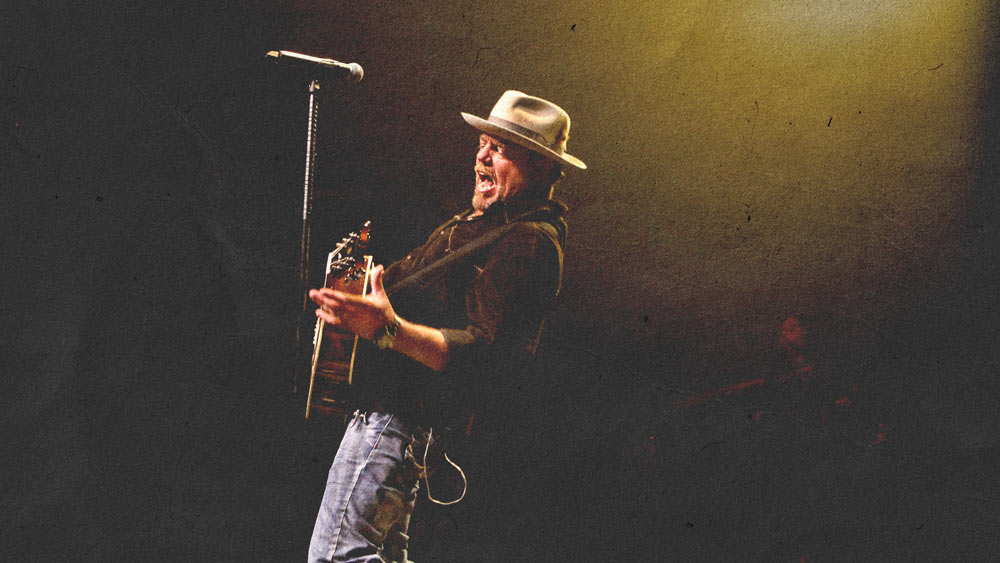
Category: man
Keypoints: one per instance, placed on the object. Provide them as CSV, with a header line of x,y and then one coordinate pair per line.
x,y
456,330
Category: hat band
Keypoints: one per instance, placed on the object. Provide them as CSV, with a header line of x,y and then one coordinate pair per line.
x,y
524,131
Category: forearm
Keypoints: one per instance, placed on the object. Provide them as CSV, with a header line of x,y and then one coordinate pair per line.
x,y
421,343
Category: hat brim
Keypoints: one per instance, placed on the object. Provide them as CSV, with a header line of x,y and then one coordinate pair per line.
x,y
526,142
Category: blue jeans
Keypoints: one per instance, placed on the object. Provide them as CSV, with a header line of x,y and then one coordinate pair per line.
x,y
369,495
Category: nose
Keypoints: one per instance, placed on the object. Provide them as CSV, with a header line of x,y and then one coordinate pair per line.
x,y
484,154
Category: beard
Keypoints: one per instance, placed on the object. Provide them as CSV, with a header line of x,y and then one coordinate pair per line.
x,y
481,204
485,194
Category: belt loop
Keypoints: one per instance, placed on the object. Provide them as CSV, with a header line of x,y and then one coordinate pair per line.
x,y
360,415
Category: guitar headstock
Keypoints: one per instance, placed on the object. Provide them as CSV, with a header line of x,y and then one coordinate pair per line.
x,y
346,262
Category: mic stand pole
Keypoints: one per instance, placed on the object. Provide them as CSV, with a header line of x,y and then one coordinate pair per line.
x,y
307,201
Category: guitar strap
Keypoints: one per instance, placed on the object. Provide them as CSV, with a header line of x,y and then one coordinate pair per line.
x,y
426,275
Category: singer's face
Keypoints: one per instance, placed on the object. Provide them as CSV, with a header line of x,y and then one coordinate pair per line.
x,y
502,171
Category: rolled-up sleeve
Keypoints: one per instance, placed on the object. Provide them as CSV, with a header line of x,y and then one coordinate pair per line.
x,y
509,295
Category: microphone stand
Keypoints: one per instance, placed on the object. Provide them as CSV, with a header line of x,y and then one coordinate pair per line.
x,y
307,202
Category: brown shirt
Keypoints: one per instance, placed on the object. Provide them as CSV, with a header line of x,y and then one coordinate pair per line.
x,y
489,305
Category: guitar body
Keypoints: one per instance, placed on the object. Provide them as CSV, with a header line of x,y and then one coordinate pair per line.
x,y
332,367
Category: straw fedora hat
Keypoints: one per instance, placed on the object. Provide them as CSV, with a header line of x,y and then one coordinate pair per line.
x,y
531,122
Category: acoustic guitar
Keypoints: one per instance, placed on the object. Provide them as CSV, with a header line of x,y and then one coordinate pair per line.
x,y
332,367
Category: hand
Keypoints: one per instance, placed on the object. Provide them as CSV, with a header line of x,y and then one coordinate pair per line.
x,y
363,316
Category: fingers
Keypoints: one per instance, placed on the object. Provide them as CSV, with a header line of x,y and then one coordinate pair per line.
x,y
317,295
327,297
338,308
322,294
328,316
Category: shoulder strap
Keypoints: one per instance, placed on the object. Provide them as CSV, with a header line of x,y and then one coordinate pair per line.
x,y
428,272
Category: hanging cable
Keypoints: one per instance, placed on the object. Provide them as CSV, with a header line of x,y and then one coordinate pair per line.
x,y
426,474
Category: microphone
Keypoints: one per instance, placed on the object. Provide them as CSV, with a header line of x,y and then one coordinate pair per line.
x,y
351,71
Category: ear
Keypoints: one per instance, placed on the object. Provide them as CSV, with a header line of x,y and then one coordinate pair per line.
x,y
543,166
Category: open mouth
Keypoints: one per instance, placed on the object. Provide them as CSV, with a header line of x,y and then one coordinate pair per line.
x,y
484,182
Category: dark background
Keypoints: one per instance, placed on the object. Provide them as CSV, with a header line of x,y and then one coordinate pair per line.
x,y
777,335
